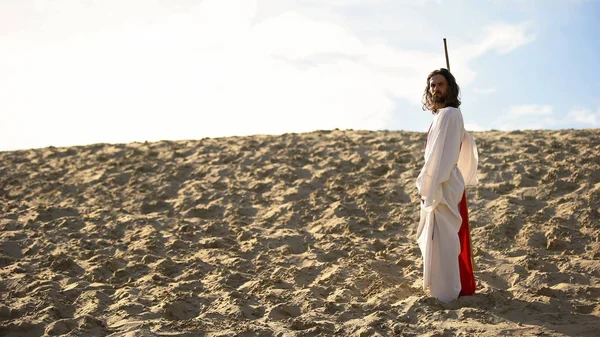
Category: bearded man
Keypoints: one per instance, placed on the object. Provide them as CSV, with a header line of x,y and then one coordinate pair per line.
x,y
451,162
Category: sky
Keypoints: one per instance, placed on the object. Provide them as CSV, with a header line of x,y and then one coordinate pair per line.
x,y
78,72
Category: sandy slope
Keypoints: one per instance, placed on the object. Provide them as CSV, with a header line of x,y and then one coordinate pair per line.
x,y
293,235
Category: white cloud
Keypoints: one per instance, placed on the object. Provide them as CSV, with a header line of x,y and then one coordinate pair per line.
x,y
475,127
584,116
351,3
530,110
295,36
526,117
484,91
505,38
210,71
534,116
498,37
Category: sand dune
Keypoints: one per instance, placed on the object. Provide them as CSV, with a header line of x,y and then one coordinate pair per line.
x,y
294,235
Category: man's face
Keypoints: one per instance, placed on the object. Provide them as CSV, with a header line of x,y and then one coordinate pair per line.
x,y
438,87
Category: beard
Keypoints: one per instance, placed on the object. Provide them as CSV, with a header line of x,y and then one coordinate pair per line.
x,y
438,98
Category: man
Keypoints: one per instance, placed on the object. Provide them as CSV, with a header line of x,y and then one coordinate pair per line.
x,y
450,164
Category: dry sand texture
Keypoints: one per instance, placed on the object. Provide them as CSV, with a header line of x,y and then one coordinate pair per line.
x,y
293,235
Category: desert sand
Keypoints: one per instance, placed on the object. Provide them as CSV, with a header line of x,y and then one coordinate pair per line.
x,y
308,234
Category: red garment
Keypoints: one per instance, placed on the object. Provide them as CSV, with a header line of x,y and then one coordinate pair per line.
x,y
465,258
467,278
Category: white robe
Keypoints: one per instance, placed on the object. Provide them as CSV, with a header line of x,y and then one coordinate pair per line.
x,y
441,183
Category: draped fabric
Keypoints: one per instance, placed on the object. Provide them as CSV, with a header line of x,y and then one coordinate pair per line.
x,y
443,234
465,258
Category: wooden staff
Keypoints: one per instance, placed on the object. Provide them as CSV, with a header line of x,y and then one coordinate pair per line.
x,y
446,51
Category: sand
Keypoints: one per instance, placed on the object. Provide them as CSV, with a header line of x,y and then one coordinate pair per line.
x,y
307,234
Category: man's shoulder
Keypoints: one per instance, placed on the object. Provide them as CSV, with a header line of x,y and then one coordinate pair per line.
x,y
450,109
449,112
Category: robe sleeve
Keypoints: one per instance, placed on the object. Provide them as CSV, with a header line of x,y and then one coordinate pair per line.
x,y
441,156
468,160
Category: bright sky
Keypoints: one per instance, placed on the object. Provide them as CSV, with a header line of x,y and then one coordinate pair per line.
x,y
76,72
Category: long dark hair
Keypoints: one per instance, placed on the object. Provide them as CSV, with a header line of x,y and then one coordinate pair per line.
x,y
452,97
